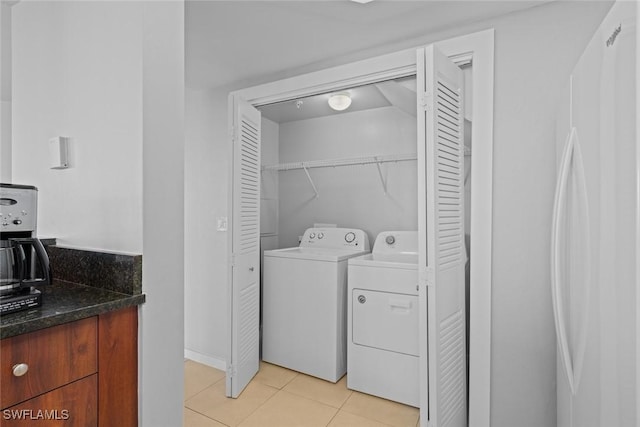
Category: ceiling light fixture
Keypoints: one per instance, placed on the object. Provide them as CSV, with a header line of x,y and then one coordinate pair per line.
x,y
362,1
339,101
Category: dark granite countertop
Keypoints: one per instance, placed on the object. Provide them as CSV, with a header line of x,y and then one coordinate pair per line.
x,y
64,302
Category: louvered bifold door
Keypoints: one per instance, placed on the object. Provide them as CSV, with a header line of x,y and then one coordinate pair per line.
x,y
245,229
441,240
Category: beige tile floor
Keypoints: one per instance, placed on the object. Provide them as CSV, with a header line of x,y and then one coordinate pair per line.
x,y
278,397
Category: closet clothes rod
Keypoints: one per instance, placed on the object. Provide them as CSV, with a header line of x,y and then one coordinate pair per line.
x,y
340,162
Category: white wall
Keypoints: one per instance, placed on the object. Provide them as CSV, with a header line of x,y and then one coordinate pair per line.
x,y
5,140
77,72
206,179
162,324
111,76
350,196
535,51
5,92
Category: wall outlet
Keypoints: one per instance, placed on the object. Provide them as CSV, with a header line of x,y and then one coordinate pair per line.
x,y
222,224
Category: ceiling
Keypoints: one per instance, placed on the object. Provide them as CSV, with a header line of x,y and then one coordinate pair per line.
x,y
247,41
400,93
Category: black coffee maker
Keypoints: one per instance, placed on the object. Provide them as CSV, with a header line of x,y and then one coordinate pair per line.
x,y
24,263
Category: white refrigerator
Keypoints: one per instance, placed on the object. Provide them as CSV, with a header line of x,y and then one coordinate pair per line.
x,y
595,242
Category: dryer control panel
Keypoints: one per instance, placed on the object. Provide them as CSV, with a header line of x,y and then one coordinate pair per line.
x,y
396,242
348,238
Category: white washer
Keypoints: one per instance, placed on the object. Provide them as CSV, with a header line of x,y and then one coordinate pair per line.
x,y
383,319
304,302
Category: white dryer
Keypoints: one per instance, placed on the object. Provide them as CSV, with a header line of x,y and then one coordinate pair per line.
x,y
304,302
383,319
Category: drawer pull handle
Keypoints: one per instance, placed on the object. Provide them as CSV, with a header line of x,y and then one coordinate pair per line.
x,y
20,369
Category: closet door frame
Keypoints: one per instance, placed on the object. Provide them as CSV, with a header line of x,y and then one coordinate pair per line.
x,y
477,48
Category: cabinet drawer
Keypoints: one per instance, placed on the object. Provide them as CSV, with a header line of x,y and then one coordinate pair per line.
x,y
74,405
55,356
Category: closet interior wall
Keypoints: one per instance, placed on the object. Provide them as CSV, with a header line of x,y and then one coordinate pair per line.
x,y
349,196
269,194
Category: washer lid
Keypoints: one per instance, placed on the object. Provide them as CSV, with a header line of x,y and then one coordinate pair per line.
x,y
316,254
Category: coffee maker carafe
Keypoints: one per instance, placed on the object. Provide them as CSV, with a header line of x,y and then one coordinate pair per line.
x,y
16,269
24,263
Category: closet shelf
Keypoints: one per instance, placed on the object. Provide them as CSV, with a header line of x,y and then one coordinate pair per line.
x,y
352,161
377,160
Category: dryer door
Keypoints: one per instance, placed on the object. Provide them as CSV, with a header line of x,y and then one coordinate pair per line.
x,y
385,320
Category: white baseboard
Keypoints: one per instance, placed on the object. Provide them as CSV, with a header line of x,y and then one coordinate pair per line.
x,y
214,362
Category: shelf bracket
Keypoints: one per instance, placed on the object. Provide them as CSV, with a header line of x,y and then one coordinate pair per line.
x,y
382,180
315,190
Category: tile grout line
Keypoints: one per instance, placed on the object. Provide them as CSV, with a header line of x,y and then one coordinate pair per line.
x,y
314,401
261,405
207,417
207,387
339,408
296,374
309,399
332,418
289,382
317,400
347,399
343,403
367,417
210,385
252,412
184,403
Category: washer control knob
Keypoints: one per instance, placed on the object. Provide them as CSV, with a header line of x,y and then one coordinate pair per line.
x,y
17,221
312,235
362,299
390,240
320,235
350,237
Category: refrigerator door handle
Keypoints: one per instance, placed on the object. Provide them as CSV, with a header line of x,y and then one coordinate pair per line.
x,y
571,156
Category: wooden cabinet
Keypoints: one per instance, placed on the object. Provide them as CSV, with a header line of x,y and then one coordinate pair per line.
x,y
73,405
82,373
118,368
52,357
